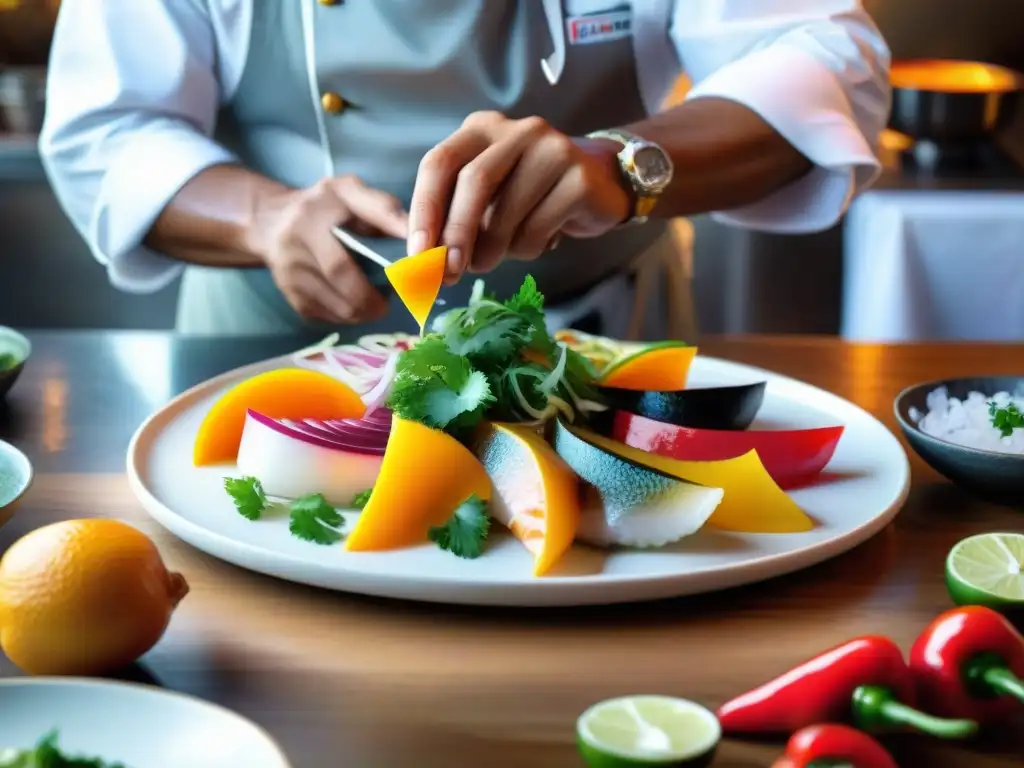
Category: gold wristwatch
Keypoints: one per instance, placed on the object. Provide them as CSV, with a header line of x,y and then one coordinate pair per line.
x,y
646,167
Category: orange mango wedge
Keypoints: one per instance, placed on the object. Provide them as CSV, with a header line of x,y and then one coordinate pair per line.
x,y
417,281
285,393
536,494
753,502
424,476
660,368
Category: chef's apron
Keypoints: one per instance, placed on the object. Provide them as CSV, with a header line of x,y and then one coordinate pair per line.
x,y
409,73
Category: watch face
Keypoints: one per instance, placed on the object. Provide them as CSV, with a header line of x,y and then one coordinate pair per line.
x,y
653,168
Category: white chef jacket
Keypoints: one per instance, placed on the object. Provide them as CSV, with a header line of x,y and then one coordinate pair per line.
x,y
135,87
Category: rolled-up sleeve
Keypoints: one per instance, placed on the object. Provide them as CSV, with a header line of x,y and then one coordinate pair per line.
x,y
817,72
132,98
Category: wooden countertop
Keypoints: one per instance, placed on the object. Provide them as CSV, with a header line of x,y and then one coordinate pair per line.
x,y
347,681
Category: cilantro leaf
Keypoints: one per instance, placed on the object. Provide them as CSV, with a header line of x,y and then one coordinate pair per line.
x,y
435,386
1006,419
527,299
46,754
248,496
313,519
465,533
360,499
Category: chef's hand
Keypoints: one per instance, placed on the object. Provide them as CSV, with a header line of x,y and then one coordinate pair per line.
x,y
501,188
318,277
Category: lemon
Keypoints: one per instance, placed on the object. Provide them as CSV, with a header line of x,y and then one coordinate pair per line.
x,y
84,597
634,731
987,570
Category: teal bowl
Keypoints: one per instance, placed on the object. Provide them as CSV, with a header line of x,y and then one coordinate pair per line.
x,y
15,479
15,349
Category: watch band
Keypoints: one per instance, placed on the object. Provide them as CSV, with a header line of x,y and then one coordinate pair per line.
x,y
644,201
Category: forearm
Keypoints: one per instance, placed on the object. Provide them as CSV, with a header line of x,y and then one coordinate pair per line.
x,y
213,220
725,156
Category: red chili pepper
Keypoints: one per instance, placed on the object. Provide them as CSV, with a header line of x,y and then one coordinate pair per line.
x,y
791,457
865,680
969,663
832,745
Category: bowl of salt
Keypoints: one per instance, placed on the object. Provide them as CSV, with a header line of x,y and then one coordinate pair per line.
x,y
971,431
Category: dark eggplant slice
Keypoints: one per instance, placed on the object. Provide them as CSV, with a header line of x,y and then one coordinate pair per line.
x,y
732,408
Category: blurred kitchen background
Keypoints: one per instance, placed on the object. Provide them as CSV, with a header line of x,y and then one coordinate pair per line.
x,y
743,282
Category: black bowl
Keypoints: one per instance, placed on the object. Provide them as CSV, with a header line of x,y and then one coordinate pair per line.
x,y
996,477
12,342
941,111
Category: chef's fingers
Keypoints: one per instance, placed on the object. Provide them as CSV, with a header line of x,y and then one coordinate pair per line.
x,y
374,211
435,185
309,294
543,164
479,184
544,223
358,299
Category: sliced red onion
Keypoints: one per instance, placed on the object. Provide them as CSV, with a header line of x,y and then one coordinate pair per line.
x,y
357,439
375,398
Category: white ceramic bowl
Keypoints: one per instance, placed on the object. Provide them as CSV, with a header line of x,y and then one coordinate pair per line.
x,y
139,726
17,463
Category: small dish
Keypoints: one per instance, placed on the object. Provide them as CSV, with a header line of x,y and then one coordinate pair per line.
x,y
995,476
135,725
19,347
15,479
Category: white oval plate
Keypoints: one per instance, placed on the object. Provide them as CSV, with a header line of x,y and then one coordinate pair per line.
x,y
863,488
139,726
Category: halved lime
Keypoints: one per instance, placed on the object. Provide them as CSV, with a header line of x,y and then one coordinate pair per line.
x,y
635,731
987,570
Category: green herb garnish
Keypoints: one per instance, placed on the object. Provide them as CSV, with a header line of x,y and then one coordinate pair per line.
x,y
47,755
7,361
1006,419
438,387
360,499
248,496
465,533
313,519
493,359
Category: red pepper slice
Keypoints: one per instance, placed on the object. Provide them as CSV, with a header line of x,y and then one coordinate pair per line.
x,y
864,680
791,457
969,662
830,744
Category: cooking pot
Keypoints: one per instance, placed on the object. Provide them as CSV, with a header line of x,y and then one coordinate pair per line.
x,y
952,102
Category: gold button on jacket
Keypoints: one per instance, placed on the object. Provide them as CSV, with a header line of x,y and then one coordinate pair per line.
x,y
332,103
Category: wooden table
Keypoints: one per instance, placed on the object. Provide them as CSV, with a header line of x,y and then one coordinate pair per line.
x,y
349,681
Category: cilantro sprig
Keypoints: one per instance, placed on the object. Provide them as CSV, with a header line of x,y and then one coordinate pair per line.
x,y
248,496
491,359
465,532
360,499
47,754
311,517
1005,419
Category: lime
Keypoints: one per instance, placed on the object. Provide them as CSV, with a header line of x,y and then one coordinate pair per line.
x,y
986,570
634,731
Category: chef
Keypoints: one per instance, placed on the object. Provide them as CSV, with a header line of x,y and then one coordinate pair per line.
x,y
221,141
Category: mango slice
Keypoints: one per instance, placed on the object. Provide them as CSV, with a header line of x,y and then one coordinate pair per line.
x,y
536,493
417,281
753,502
285,393
660,367
424,476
